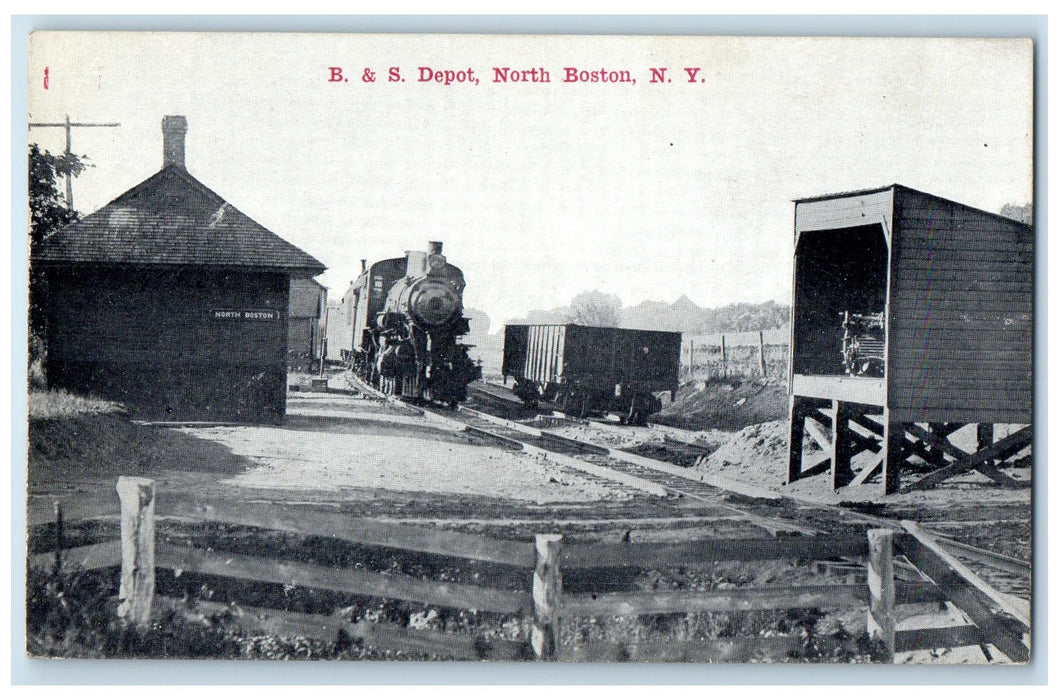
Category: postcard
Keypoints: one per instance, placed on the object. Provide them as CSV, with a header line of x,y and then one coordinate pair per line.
x,y
712,349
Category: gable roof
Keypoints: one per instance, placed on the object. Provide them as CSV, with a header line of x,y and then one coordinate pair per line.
x,y
173,219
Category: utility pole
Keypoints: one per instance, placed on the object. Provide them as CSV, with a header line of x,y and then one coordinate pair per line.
x,y
68,125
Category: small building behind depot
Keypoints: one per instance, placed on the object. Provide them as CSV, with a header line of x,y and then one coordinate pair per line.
x,y
305,334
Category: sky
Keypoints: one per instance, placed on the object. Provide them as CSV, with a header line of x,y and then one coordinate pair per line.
x,y
649,191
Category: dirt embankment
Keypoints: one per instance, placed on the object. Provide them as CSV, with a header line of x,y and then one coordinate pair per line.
x,y
725,404
81,446
106,446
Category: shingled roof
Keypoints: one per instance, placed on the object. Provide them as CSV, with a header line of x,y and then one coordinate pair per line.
x,y
173,219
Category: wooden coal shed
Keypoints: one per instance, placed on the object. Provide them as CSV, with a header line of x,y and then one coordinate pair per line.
x,y
912,317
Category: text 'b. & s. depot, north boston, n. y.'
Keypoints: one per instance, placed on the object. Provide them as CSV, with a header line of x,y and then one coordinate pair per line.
x,y
505,75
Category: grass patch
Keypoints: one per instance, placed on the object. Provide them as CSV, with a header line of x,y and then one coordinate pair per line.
x,y
57,403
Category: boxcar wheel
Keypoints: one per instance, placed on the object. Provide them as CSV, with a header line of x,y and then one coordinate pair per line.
x,y
637,413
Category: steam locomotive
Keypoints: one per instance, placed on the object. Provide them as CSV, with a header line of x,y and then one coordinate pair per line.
x,y
404,318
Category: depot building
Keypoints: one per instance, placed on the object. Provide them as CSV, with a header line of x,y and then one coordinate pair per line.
x,y
172,301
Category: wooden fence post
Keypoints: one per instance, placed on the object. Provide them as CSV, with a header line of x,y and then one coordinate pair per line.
x,y
761,352
58,564
547,597
137,549
881,618
724,359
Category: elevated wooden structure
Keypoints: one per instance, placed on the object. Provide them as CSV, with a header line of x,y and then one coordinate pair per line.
x,y
954,286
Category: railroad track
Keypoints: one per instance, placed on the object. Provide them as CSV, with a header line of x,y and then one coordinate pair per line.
x,y
686,441
652,476
665,479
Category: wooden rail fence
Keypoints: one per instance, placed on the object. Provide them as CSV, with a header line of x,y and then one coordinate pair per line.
x,y
714,351
930,574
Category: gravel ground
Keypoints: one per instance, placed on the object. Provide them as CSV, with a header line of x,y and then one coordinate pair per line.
x,y
361,444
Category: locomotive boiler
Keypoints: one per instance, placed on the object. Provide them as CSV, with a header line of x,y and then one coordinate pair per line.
x,y
405,317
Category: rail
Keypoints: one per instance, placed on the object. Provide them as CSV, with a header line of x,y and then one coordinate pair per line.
x,y
997,620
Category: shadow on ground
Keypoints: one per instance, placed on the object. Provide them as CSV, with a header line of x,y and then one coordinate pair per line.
x,y
88,447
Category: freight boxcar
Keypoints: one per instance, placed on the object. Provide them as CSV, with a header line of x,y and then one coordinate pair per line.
x,y
587,369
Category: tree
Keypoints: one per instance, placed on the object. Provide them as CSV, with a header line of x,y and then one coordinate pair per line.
x,y
595,309
48,212
1023,213
48,209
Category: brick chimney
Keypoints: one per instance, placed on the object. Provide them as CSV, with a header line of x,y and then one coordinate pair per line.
x,y
173,130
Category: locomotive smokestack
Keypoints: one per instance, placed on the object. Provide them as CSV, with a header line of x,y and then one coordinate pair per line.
x,y
435,248
363,265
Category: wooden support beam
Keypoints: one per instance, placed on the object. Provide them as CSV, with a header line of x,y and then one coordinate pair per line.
x,y
985,435
841,446
801,407
866,421
818,435
137,550
944,430
998,476
893,454
1002,624
882,621
934,453
932,439
917,448
999,450
547,597
824,415
860,443
795,438
868,471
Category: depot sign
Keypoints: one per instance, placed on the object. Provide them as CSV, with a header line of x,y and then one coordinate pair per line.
x,y
244,315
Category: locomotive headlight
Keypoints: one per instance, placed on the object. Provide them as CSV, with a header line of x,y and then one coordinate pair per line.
x,y
433,303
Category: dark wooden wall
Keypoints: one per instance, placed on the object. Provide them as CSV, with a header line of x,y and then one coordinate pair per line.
x,y
961,313
148,338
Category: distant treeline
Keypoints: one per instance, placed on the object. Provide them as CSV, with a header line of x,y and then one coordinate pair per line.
x,y
689,318
684,316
